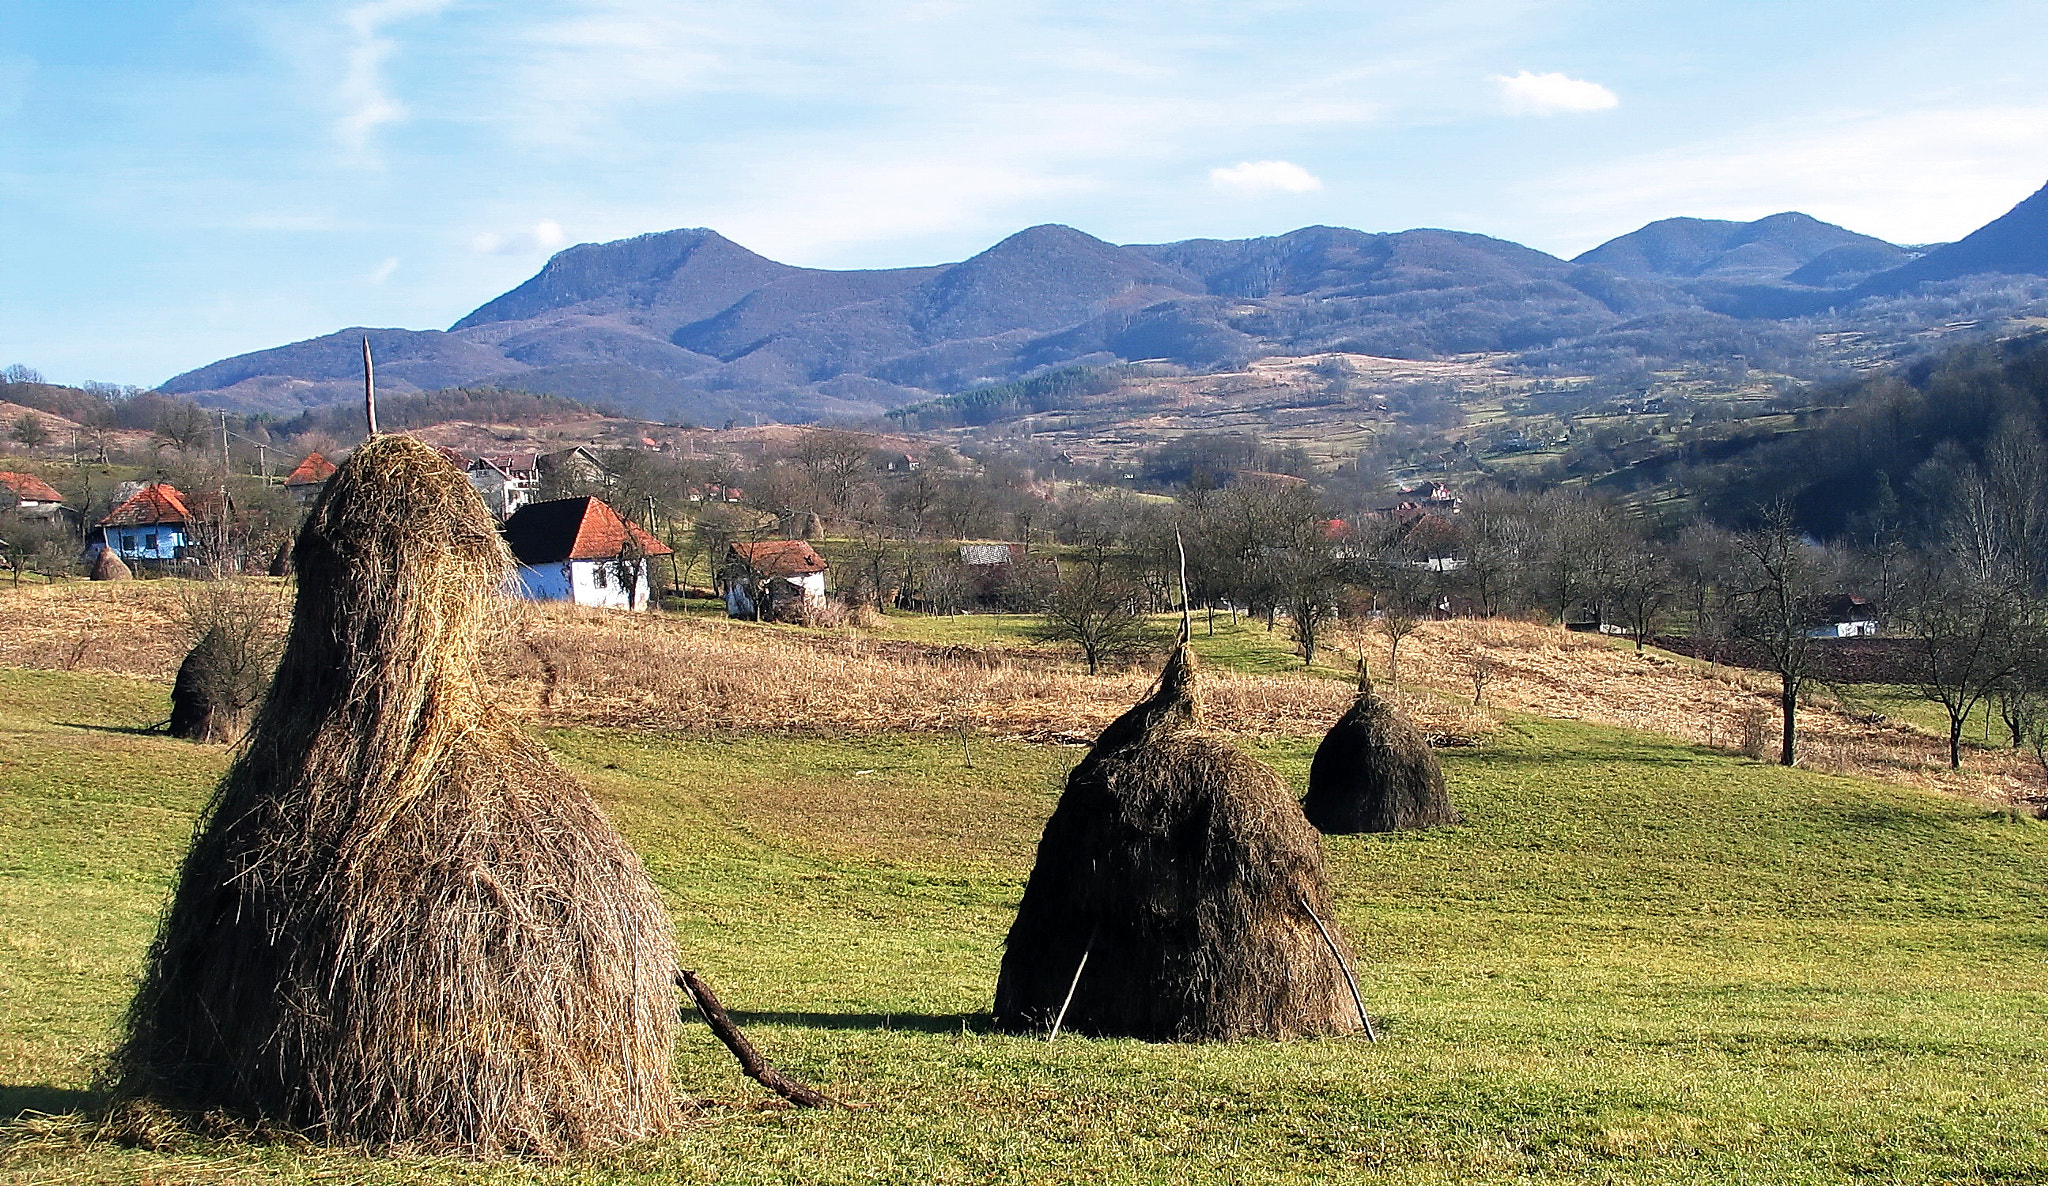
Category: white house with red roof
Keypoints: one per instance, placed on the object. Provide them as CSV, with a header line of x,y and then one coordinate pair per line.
x,y
772,577
152,524
581,550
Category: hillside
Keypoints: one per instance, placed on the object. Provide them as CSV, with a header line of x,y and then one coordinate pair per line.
x,y
686,325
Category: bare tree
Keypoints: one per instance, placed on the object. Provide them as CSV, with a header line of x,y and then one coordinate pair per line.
x,y
1776,590
1098,609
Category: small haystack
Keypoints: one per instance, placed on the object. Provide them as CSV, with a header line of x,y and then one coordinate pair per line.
x,y
1183,874
1374,772
281,560
108,566
401,923
215,690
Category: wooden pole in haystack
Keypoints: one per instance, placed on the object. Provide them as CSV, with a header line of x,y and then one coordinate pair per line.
x,y
401,924
1174,872
369,387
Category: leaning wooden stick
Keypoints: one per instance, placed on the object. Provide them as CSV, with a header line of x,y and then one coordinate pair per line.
x,y
1073,984
750,1059
1357,998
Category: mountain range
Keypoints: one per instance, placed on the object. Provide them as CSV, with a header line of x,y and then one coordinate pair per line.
x,y
688,325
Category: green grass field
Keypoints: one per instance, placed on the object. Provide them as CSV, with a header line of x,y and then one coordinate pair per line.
x,y
1638,962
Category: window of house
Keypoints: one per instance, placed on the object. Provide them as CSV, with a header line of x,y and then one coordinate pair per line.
x,y
149,542
597,578
127,542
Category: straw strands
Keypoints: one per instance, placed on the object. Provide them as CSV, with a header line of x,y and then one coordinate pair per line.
x,y
1176,894
401,924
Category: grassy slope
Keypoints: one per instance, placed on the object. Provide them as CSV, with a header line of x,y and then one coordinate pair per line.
x,y
1640,962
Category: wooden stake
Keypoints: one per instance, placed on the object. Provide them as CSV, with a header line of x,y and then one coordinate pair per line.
x,y
1187,622
1356,998
369,387
750,1059
1073,984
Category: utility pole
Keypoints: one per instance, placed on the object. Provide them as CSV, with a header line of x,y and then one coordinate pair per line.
x,y
369,387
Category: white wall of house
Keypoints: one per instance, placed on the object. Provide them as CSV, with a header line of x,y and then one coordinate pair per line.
x,y
585,582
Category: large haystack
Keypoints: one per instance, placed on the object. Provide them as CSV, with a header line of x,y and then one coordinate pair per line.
x,y
107,565
401,923
215,690
1184,872
1374,772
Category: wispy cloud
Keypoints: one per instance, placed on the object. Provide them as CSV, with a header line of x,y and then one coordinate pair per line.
x,y
1551,94
545,235
382,272
1265,177
363,94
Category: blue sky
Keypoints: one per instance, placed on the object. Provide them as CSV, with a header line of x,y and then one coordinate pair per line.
x,y
182,180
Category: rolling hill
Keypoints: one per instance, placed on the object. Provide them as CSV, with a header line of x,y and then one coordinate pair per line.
x,y
688,325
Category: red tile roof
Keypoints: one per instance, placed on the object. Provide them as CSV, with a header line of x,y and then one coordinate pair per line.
x,y
781,557
153,504
30,488
574,529
314,470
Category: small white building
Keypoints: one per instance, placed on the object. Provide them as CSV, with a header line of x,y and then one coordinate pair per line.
x,y
1848,616
507,481
772,578
581,550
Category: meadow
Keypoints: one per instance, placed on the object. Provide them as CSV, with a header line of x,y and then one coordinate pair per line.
x,y
1641,960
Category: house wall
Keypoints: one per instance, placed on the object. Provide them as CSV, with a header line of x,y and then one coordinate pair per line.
x,y
597,583
158,542
541,582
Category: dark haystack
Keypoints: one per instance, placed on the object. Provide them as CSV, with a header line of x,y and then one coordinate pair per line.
x,y
1374,772
401,923
215,690
281,561
1184,872
108,566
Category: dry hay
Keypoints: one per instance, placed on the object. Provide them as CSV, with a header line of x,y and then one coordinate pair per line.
x,y
108,566
1550,672
401,924
1374,772
1183,873
213,692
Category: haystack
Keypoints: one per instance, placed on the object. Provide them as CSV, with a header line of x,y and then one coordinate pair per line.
x,y
215,690
1183,873
108,566
401,924
1374,772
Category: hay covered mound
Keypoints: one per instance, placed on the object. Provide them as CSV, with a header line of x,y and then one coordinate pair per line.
x,y
214,691
1374,772
107,565
401,923
1180,866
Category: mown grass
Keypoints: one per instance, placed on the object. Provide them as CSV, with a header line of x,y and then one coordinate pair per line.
x,y
1639,962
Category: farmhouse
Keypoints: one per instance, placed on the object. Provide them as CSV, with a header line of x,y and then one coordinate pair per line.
x,y
35,499
153,524
507,481
581,550
309,478
771,578
1847,616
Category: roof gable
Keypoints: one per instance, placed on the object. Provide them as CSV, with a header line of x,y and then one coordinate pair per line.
x,y
30,488
314,470
151,505
574,529
780,557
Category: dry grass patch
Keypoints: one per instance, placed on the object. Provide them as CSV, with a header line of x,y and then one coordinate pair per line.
x,y
1555,673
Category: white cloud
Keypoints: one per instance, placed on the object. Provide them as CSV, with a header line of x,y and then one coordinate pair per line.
x,y
383,271
1917,176
1551,94
366,105
545,235
1265,177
